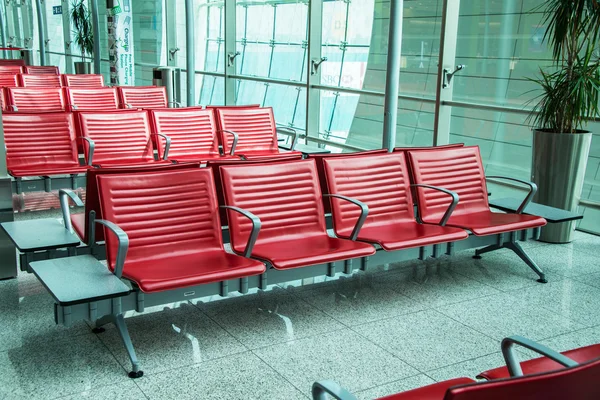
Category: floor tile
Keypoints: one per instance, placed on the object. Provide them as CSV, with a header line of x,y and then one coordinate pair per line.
x,y
264,319
124,391
505,314
565,261
172,338
573,340
590,279
427,339
585,243
343,356
238,377
468,368
59,368
395,387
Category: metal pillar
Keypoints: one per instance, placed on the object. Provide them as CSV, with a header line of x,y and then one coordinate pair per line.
x,y
190,53
96,31
41,32
313,96
66,25
230,50
392,81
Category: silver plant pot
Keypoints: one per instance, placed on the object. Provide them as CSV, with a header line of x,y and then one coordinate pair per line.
x,y
83,67
558,168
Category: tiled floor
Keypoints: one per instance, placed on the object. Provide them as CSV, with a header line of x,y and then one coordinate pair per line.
x,y
375,333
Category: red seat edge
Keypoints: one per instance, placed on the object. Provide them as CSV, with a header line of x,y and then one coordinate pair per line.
x,y
435,391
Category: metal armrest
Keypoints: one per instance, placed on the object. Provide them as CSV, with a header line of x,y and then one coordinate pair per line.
x,y
290,132
236,138
63,196
364,212
167,145
512,362
321,389
256,224
452,205
178,104
123,244
91,147
532,190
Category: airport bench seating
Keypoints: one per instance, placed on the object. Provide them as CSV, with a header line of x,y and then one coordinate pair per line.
x,y
460,170
92,99
39,81
35,100
83,80
570,380
11,69
41,70
143,97
9,80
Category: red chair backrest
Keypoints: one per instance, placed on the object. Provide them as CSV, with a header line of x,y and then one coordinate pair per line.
x,y
193,131
9,80
426,148
120,137
178,213
12,63
36,99
456,169
576,383
285,196
87,99
143,96
3,100
33,140
83,80
37,70
380,181
43,81
240,107
255,127
10,69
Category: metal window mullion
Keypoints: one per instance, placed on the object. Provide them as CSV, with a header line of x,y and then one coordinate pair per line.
x,y
230,48
41,20
244,42
27,19
3,21
272,44
302,69
96,33
343,48
313,95
190,52
66,25
171,17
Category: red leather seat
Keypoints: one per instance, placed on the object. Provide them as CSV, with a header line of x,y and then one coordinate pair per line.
x,y
381,182
92,99
83,80
11,66
256,130
39,81
35,100
287,199
461,170
143,96
544,364
435,391
9,80
39,70
174,230
41,144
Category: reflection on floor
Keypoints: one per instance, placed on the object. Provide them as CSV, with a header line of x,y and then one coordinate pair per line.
x,y
392,329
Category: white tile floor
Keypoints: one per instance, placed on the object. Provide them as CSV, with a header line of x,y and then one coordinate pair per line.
x,y
375,333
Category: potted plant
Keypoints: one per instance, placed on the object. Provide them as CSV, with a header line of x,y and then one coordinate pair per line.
x,y
84,36
569,98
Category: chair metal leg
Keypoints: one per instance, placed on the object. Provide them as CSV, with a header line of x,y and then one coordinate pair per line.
x,y
100,322
518,250
119,322
479,252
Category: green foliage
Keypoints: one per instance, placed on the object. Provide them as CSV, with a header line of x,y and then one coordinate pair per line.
x,y
570,94
82,28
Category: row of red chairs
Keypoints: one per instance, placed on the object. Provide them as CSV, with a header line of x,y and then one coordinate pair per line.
x,y
47,144
28,69
70,99
54,81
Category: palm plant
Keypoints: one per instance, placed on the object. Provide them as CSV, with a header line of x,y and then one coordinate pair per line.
x,y
570,93
84,36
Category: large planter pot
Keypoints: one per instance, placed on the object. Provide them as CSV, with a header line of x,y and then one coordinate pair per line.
x,y
83,67
558,169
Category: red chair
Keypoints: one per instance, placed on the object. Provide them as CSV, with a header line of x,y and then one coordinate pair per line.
x,y
143,97
9,80
12,63
174,240
238,107
249,132
10,69
461,171
426,148
193,133
35,100
120,138
41,144
3,101
381,182
39,81
287,199
572,381
96,99
37,70
83,80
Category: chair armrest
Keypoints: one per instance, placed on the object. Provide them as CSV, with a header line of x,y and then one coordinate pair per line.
x,y
123,244
532,190
236,138
290,132
452,205
63,196
176,103
512,362
91,147
167,144
321,389
256,224
364,212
